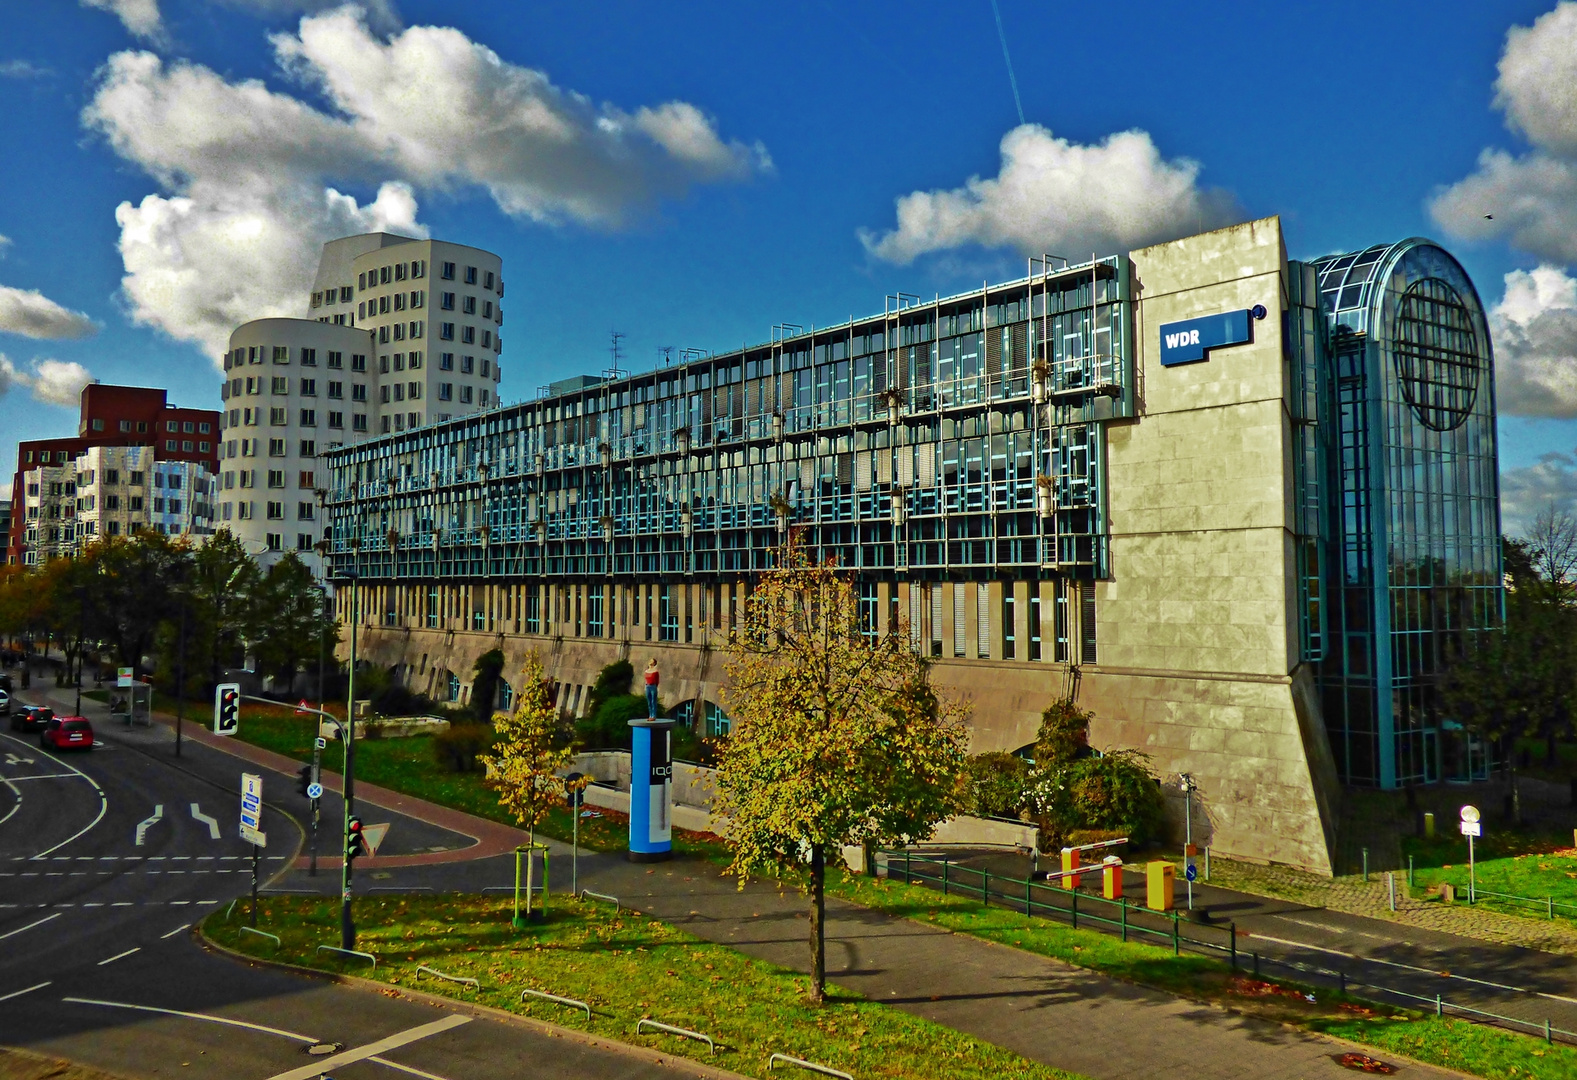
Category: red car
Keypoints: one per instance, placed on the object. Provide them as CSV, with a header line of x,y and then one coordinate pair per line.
x,y
67,733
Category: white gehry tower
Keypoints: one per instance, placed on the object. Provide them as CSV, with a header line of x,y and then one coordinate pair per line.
x,y
400,333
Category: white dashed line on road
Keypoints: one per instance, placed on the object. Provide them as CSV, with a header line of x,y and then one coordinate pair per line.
x,y
177,930
19,993
120,956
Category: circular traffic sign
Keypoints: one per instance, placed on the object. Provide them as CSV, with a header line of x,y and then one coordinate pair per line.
x,y
1470,813
314,791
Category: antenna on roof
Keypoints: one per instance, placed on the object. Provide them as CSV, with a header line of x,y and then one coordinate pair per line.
x,y
667,353
615,351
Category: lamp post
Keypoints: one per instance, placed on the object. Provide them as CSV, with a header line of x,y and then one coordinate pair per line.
x,y
348,784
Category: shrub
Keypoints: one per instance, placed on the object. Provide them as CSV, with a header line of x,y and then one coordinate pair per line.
x,y
1064,734
1073,790
397,700
609,727
998,784
458,748
613,681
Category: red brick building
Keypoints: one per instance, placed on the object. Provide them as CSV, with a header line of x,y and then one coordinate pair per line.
x,y
118,416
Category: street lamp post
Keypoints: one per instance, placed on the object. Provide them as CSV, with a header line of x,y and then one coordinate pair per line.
x,y
347,925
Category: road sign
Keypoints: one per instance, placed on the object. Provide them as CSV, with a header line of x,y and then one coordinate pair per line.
x,y
1472,828
372,836
251,801
123,677
254,836
314,791
227,708
322,743
1191,872
1470,813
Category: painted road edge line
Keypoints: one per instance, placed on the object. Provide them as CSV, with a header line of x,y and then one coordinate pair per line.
x,y
195,1016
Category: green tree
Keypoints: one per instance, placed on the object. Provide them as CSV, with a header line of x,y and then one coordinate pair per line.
x,y
613,681
135,584
223,580
289,621
838,738
523,763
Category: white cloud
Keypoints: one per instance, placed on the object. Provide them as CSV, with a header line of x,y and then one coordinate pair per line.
x,y
1526,491
52,382
5,244
1535,333
253,177
23,69
1529,199
1053,195
32,314
140,17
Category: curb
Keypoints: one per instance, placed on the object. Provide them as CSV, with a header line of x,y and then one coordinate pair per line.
x,y
478,1010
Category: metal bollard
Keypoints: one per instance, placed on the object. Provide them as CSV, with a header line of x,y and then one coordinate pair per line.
x,y
1256,965
1366,864
1390,888
1410,882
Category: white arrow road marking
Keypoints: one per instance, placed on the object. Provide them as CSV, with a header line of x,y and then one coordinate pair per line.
x,y
144,825
12,759
198,815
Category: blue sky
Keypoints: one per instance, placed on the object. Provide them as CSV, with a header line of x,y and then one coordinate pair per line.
x,y
692,173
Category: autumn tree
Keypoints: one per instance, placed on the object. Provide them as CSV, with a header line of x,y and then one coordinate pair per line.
x,y
838,737
525,759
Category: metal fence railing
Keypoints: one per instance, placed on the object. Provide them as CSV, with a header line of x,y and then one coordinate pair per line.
x,y
1134,921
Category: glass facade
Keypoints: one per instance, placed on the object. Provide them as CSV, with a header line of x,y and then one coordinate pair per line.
x,y
1414,540
961,439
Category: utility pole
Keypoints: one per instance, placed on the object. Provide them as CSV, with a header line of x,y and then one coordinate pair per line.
x,y
180,670
347,925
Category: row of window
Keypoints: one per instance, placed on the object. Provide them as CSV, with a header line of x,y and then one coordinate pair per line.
x,y
246,478
272,511
467,336
280,354
446,302
416,269
174,427
328,296
308,448
305,417
400,331
382,305
279,386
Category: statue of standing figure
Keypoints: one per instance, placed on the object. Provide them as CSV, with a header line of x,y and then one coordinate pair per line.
x,y
651,688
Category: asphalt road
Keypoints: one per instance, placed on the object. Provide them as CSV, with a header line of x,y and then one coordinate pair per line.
x,y
107,860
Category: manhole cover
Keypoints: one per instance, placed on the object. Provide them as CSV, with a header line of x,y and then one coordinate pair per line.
x,y
324,1049
1364,1063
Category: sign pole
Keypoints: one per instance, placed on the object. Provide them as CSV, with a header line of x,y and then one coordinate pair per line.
x,y
254,886
347,783
1471,877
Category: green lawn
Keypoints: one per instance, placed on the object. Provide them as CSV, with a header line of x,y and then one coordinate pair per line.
x,y
627,967
1471,1048
1517,865
410,766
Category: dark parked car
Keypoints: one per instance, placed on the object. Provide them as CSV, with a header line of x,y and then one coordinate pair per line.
x,y
31,718
67,733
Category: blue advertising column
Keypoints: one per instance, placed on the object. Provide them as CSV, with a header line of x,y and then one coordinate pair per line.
x,y
651,790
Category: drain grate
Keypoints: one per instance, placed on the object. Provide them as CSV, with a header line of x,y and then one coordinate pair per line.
x,y
324,1049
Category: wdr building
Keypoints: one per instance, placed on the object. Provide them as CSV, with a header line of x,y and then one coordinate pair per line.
x,y
1238,505
400,333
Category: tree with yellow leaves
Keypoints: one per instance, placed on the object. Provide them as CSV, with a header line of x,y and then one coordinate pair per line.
x,y
838,737
525,760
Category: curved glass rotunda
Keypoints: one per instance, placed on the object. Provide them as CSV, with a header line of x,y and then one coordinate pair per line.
x,y
1414,544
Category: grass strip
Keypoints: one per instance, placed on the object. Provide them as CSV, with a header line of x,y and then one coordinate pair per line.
x,y
627,966
1478,1049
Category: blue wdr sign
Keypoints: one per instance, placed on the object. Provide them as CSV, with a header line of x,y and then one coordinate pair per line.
x,y
1186,342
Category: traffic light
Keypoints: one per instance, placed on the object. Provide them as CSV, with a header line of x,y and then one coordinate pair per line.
x,y
227,708
355,842
304,780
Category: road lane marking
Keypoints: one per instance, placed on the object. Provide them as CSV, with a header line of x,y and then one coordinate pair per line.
x,y
120,956
19,993
15,806
147,823
29,926
104,803
43,776
372,1049
177,930
195,1016
204,819
1414,967
412,1069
